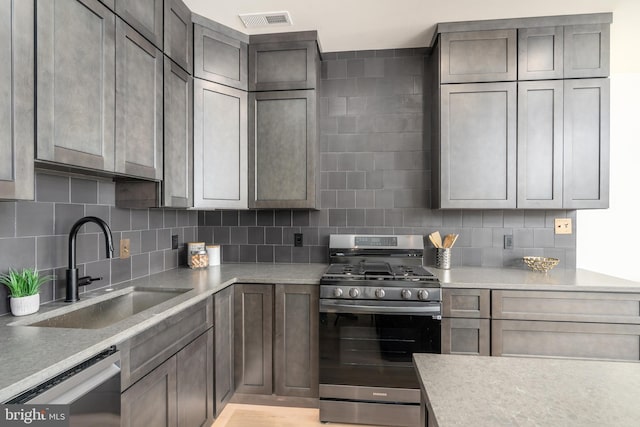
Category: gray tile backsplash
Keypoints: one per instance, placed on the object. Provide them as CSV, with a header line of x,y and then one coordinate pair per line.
x,y
35,234
375,178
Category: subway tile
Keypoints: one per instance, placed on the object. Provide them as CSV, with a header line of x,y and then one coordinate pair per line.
x,y
66,216
356,180
523,238
247,218
98,269
319,218
329,161
34,219
205,234
384,199
513,218
230,218
300,218
347,124
283,218
346,199
471,218
134,241
101,211
7,219
413,198
156,262
182,218
300,255
374,180
170,259
106,193
543,238
355,217
482,238
310,236
492,257
328,199
230,253
190,234
221,235
178,232
139,265
374,217
264,254
566,241
273,235
86,248
365,199
51,252
120,270
337,106
120,219
393,217
213,218
84,191
201,222
472,257
350,54
337,69
164,238
374,67
170,218
148,240
156,218
318,254
534,219
498,236
337,180
282,254
193,218
255,235
52,188
238,235
139,219
248,253
337,217
492,218
346,162
47,289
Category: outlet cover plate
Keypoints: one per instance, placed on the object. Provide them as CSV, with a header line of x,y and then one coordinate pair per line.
x,y
125,248
297,239
563,226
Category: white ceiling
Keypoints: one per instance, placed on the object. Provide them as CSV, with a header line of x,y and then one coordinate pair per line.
x,y
345,25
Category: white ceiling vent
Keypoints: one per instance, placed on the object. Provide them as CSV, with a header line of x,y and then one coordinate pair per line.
x,y
264,19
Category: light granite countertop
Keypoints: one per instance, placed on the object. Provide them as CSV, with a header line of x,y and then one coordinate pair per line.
x,y
30,355
466,391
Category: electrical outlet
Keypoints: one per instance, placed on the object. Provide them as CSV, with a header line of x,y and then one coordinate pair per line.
x,y
125,248
174,241
297,239
508,241
563,226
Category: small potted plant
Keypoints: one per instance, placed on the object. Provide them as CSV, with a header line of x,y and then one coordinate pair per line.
x,y
24,287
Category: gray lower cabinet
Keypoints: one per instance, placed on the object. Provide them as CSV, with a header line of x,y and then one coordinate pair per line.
x,y
219,57
139,105
75,102
283,149
145,16
17,93
177,186
586,50
466,326
540,144
296,340
220,146
178,33
477,164
540,53
586,143
276,340
224,347
253,336
478,56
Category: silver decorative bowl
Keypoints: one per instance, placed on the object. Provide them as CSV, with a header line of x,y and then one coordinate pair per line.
x,y
542,264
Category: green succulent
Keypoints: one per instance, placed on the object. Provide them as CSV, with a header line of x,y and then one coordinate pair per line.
x,y
23,283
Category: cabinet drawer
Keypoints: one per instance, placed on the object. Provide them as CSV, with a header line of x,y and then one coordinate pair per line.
x,y
283,65
478,56
565,339
142,353
470,303
566,306
466,336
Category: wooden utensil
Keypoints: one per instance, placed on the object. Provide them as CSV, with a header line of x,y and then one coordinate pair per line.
x,y
453,239
436,239
433,241
448,239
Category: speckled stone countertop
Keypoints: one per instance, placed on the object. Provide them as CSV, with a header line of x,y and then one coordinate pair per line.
x,y
30,355
511,391
557,279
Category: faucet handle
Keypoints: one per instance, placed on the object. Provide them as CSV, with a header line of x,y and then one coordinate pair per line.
x,y
86,280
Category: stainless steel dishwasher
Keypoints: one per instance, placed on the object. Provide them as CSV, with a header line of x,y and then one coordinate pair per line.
x,y
91,389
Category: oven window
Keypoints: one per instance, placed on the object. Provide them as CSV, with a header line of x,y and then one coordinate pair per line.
x,y
374,349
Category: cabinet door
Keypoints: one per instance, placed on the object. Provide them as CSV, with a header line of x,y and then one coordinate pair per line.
x,y
478,146
194,367
220,58
223,321
469,303
139,115
282,149
253,325
145,16
75,77
296,340
152,400
478,56
220,146
586,143
178,33
565,339
540,53
178,137
17,93
286,65
586,50
466,336
540,128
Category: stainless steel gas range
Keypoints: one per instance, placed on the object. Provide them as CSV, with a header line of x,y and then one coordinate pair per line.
x,y
378,306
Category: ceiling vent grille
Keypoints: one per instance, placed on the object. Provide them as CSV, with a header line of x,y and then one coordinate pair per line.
x,y
266,19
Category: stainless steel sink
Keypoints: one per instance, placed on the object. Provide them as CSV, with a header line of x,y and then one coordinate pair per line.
x,y
109,311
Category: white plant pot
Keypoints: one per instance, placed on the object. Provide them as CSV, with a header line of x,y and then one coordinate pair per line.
x,y
25,305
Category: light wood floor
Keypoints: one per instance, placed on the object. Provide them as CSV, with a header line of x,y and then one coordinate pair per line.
x,y
238,415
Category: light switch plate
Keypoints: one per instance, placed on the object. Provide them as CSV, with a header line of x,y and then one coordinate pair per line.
x,y
125,247
563,226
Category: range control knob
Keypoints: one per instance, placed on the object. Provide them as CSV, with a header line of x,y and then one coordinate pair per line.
x,y
380,293
354,292
406,294
337,292
423,295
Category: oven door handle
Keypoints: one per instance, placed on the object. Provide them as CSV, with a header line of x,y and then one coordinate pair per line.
x,y
337,306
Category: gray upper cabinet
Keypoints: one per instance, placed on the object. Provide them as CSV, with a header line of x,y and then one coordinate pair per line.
x,y
178,137
220,146
540,144
220,58
17,94
145,16
540,53
178,33
285,61
586,50
477,164
282,149
586,143
478,56
139,69
75,83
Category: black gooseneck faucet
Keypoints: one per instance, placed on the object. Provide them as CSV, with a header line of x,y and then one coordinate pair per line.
x,y
73,282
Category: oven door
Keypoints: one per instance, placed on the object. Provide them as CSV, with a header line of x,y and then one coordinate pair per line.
x,y
371,343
